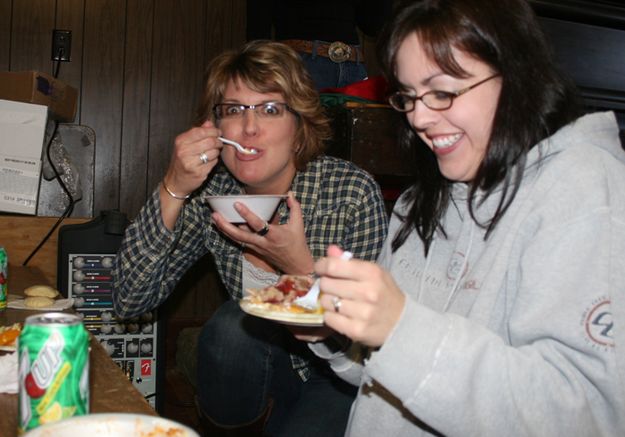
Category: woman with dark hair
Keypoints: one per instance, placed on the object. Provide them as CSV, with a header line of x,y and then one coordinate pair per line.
x,y
497,306
254,376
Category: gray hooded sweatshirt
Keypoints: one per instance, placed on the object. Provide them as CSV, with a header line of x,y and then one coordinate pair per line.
x,y
519,335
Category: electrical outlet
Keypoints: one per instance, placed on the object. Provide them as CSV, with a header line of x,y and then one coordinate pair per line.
x,y
61,45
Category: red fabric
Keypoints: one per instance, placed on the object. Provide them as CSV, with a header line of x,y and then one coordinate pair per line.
x,y
373,88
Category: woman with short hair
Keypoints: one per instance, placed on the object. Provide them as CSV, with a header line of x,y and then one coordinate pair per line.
x,y
254,375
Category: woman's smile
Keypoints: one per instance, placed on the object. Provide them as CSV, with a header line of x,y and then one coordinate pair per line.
x,y
459,134
445,142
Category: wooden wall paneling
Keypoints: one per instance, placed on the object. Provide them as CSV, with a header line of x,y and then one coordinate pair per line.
x,y
213,35
70,16
102,88
31,35
177,69
5,34
136,106
235,25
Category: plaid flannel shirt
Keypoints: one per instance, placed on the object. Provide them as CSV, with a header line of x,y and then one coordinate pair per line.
x,y
341,204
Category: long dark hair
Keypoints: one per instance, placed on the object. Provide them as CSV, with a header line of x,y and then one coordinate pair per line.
x,y
535,101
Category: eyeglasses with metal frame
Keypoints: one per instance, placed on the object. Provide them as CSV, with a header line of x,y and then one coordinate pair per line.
x,y
436,100
263,110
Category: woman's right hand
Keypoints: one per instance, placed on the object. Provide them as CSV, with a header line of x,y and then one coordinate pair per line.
x,y
186,170
361,300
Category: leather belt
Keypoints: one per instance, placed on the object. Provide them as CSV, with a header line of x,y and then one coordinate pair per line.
x,y
337,51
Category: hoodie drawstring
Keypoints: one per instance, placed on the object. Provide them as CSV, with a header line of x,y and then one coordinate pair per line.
x,y
428,258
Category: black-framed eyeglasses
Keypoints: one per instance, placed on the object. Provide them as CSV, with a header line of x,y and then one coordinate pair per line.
x,y
264,110
435,99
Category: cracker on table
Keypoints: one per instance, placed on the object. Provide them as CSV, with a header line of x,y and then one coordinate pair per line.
x,y
38,302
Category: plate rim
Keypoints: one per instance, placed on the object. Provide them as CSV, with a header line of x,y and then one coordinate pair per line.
x,y
97,417
296,319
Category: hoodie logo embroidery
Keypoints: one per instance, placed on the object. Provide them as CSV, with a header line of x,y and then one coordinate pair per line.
x,y
598,324
455,265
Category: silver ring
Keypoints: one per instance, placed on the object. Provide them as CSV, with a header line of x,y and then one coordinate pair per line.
x,y
204,158
337,302
264,230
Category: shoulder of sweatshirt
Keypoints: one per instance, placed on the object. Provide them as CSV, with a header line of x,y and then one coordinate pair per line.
x,y
577,181
582,169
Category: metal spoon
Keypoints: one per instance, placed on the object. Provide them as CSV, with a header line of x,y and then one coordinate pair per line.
x,y
237,146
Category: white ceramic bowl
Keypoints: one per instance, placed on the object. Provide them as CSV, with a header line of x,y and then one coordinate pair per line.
x,y
263,205
113,425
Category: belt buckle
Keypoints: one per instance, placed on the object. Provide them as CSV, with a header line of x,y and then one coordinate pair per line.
x,y
339,52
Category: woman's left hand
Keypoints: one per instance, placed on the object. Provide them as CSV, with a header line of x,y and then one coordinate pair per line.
x,y
284,246
361,300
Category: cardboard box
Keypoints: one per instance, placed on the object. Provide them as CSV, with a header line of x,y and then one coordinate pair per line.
x,y
22,132
41,89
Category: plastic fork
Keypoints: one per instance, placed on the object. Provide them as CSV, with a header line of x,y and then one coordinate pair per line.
x,y
311,299
237,146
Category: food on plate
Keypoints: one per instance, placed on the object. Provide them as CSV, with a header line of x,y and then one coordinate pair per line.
x,y
8,334
165,432
41,291
38,302
280,296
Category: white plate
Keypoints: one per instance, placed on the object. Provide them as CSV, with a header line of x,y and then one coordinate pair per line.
x,y
299,319
113,425
59,304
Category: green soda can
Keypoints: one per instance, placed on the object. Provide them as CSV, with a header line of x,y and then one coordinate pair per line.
x,y
53,381
4,278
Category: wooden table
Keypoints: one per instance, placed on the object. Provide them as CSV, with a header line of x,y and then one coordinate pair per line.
x,y
110,390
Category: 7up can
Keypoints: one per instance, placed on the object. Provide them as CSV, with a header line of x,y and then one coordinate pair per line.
x,y
53,370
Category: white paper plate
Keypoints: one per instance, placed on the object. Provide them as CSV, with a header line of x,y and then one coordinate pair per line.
x,y
113,425
299,319
59,304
